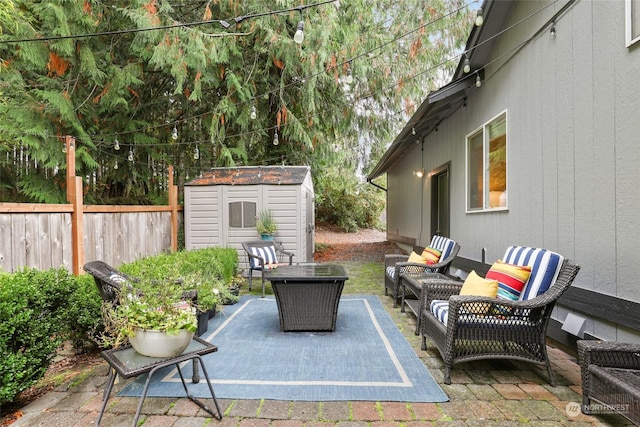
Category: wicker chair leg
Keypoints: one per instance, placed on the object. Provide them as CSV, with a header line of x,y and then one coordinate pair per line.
x,y
586,405
395,298
550,373
424,342
447,374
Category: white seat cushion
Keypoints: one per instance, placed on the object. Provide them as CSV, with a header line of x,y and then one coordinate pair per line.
x,y
391,272
440,309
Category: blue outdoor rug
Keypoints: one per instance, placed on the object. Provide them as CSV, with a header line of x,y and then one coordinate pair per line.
x,y
366,358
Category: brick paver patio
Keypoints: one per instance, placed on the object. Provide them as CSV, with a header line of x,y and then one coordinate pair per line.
x,y
481,394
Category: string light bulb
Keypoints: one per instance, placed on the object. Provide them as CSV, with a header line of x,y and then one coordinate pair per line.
x,y
116,165
552,31
413,131
478,81
349,78
467,66
174,133
298,37
479,18
64,147
130,156
276,141
196,153
116,143
253,113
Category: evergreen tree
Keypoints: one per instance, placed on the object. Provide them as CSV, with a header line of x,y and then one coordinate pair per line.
x,y
145,84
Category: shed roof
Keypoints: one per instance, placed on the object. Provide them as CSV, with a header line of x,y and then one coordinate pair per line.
x,y
253,175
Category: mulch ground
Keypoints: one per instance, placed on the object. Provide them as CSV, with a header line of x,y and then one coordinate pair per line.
x,y
331,245
362,252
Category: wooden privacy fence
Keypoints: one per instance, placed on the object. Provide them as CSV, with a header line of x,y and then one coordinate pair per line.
x,y
47,236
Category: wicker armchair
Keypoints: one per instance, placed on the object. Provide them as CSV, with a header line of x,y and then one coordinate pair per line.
x,y
395,265
474,327
263,253
610,377
108,280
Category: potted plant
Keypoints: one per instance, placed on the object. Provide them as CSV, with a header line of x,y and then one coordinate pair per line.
x,y
266,225
157,321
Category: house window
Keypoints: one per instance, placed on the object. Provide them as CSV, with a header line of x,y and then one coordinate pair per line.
x,y
487,166
632,17
242,214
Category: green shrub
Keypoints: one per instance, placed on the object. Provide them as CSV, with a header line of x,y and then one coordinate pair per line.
x,y
209,270
33,323
343,201
83,319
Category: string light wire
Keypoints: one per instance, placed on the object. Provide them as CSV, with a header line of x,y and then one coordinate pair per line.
x,y
224,23
518,47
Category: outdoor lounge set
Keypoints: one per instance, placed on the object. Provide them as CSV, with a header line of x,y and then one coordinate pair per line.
x,y
502,316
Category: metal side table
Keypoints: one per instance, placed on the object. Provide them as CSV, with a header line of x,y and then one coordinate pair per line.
x,y
127,363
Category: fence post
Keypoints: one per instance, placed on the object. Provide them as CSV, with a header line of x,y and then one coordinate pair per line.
x,y
173,202
74,196
70,149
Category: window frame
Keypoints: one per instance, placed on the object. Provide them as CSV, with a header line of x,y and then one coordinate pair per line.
x,y
485,158
631,6
243,217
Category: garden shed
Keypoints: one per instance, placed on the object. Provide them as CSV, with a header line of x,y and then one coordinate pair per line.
x,y
221,206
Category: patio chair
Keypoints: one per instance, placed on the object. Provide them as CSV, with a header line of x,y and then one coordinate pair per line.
x,y
470,327
265,255
397,264
610,377
110,282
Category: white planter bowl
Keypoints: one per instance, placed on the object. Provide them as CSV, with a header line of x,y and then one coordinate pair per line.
x,y
160,344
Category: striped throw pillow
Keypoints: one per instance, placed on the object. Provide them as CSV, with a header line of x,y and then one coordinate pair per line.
x,y
431,255
511,279
268,253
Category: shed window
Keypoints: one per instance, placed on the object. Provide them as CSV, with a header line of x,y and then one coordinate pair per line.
x,y
632,18
487,166
242,214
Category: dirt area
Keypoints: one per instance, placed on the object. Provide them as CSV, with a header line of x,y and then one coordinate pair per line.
x,y
331,245
364,245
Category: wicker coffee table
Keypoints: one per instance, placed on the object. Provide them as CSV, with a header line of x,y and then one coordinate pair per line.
x,y
307,295
412,282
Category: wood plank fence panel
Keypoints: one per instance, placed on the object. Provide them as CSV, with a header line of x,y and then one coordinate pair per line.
x,y
42,240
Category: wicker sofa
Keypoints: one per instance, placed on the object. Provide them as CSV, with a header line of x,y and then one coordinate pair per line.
x,y
397,264
610,378
467,327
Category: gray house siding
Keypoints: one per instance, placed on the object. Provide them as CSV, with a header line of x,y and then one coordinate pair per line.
x,y
573,129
